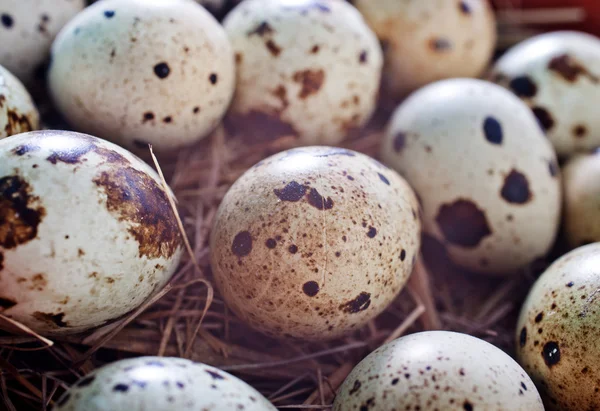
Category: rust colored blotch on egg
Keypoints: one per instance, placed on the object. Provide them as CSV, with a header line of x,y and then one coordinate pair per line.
x,y
569,69
360,303
140,201
516,188
311,81
17,123
463,223
273,48
242,244
311,288
20,212
54,320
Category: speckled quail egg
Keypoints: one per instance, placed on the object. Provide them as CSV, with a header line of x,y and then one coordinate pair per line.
x,y
86,231
438,370
558,332
429,40
312,243
486,174
305,68
18,113
27,31
139,72
558,76
581,177
161,384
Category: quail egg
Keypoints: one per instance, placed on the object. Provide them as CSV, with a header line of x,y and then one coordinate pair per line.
x,y
438,370
486,174
558,76
429,40
161,384
312,243
581,176
27,31
309,69
139,72
557,333
18,113
86,231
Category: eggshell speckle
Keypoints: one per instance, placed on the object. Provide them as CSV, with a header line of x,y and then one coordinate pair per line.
x,y
309,69
18,113
313,243
139,72
425,41
161,384
486,174
27,29
438,370
558,76
86,231
558,333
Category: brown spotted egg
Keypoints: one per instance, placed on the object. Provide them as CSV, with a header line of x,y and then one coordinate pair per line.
x,y
486,174
18,113
139,72
558,76
161,384
429,40
313,243
27,29
438,370
305,68
86,231
581,177
558,331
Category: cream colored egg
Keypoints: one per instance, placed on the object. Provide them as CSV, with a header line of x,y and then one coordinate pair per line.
x,y
139,72
86,231
313,243
18,113
429,40
161,384
557,332
558,76
307,68
438,370
27,31
485,172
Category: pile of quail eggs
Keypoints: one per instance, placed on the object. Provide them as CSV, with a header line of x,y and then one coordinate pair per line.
x,y
490,160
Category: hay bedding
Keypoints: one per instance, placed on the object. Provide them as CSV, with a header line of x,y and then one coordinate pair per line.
x,y
293,375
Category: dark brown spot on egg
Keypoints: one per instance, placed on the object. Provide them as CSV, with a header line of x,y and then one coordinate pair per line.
x,y
384,179
137,199
539,317
273,48
20,212
293,192
262,29
162,70
355,387
463,223
72,153
372,232
293,249
551,353
318,201
7,20
24,149
402,255
439,44
213,78
579,131
464,7
17,123
148,116
358,304
569,68
523,87
310,80
467,406
271,243
492,130
310,288
362,57
516,188
53,320
399,141
543,117
315,49
242,244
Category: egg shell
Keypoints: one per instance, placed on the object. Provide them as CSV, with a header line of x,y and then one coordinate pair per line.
x,y
581,176
86,231
426,41
309,69
438,370
557,333
18,113
558,76
139,72
161,384
28,29
312,243
486,174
